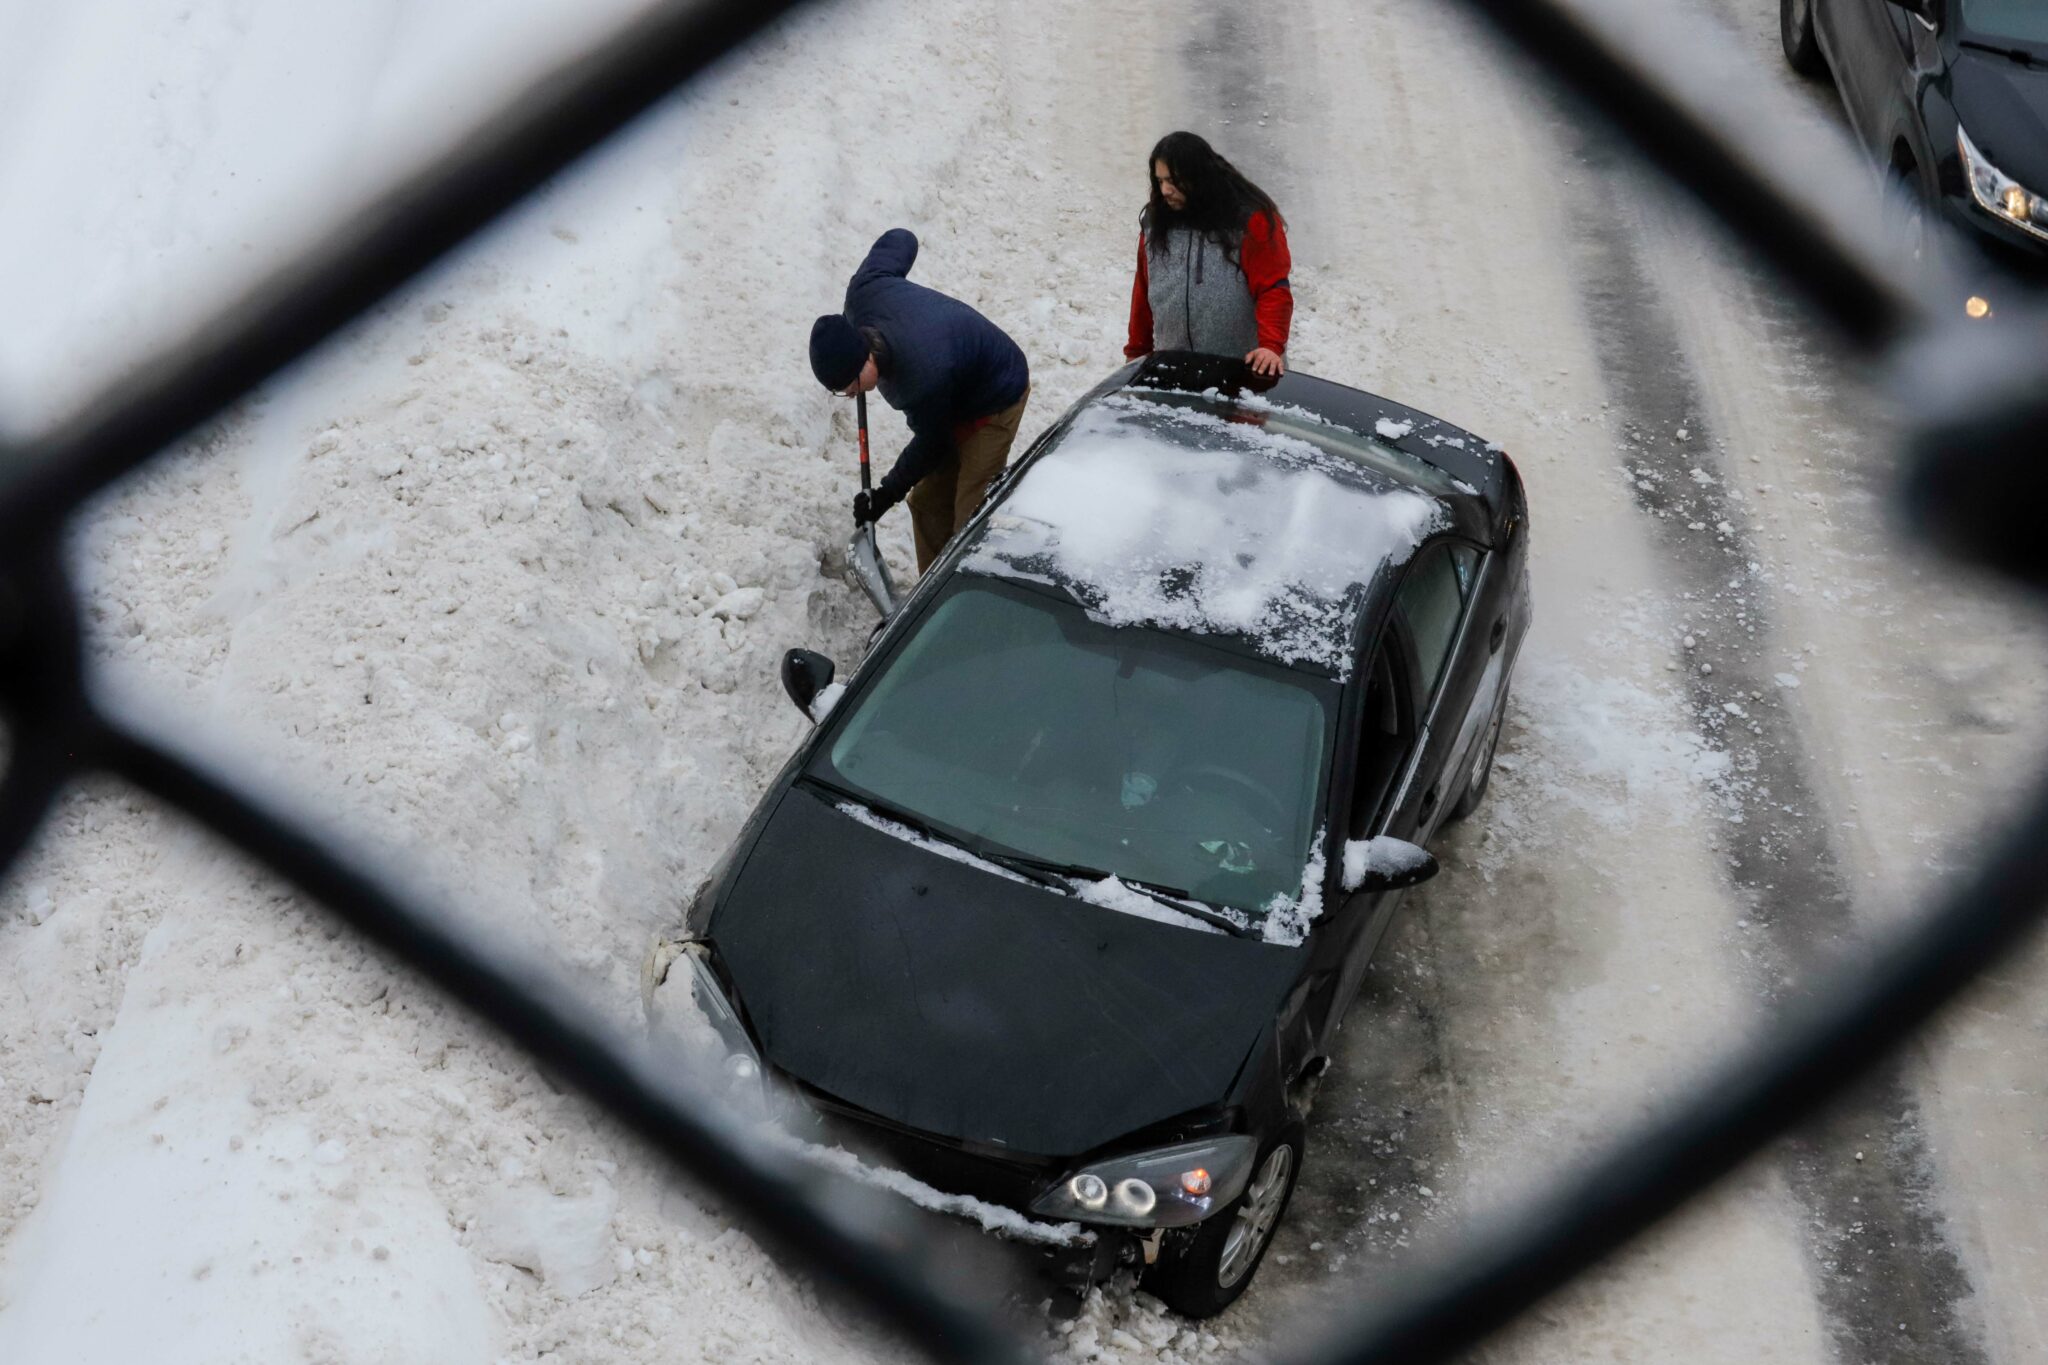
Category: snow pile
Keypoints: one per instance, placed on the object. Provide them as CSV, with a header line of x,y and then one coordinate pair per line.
x,y
1159,515
1116,1326
565,1240
1609,748
1288,918
501,580
158,158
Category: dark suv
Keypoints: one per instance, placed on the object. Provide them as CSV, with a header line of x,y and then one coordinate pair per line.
x,y
1951,96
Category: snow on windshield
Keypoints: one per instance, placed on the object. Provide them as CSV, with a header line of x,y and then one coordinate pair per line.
x,y
1163,515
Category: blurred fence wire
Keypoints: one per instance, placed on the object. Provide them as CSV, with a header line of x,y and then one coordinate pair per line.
x,y
1975,409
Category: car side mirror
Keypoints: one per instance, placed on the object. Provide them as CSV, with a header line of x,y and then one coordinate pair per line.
x,y
1386,864
806,673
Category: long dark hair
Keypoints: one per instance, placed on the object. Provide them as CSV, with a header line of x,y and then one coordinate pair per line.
x,y
1220,200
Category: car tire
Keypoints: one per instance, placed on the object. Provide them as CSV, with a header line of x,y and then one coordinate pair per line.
x,y
1209,1270
1795,32
1482,768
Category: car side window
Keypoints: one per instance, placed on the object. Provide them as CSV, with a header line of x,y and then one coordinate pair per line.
x,y
1431,599
1466,560
1386,730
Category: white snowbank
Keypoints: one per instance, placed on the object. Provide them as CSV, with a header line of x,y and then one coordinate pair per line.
x,y
501,576
1218,527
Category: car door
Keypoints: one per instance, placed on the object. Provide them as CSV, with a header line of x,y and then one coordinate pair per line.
x,y
1426,681
1385,721
1448,588
1867,45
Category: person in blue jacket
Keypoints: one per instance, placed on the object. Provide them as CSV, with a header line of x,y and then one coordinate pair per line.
x,y
956,377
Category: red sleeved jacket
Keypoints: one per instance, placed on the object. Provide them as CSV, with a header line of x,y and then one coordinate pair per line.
x,y
1264,257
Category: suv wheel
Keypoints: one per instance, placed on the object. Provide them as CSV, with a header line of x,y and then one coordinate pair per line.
x,y
1795,33
1210,1270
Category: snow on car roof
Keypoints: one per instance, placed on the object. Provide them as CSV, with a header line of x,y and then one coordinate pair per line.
x,y
1164,514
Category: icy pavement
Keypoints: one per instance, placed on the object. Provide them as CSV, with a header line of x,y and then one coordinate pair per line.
x,y
503,575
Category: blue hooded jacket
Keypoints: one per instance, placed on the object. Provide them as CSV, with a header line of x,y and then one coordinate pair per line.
x,y
947,363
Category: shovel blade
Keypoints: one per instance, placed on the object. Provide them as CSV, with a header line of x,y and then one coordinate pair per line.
x,y
870,572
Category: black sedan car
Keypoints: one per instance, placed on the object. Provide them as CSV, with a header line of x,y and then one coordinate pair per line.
x,y
1951,97
1062,902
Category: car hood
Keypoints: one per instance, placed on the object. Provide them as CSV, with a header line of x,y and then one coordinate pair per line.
x,y
2004,108
945,997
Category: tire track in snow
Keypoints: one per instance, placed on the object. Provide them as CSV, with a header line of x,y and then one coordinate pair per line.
x,y
1889,1280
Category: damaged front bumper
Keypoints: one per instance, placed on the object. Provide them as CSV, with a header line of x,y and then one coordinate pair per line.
x,y
691,1018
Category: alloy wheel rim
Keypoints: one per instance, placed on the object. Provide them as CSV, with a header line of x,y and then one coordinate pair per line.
x,y
1256,1215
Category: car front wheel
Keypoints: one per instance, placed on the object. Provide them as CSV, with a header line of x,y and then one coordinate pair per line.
x,y
1795,33
1210,1270
1482,767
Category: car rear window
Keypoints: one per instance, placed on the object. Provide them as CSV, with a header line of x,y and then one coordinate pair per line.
x,y
1012,721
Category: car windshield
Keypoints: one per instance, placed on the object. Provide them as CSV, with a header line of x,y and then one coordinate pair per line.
x,y
2020,21
1014,724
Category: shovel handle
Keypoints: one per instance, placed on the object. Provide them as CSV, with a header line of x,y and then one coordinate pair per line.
x,y
860,408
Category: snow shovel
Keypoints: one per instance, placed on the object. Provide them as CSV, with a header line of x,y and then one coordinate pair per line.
x,y
861,551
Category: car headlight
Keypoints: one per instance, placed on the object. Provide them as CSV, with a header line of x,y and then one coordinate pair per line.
x,y
1168,1187
689,1012
1998,193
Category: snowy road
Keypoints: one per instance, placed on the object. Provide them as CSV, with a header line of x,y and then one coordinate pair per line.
x,y
508,569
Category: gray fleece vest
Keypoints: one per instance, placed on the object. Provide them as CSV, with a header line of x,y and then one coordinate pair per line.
x,y
1200,301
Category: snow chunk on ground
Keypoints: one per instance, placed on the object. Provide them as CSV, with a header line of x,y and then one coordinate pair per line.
x,y
1162,515
565,1241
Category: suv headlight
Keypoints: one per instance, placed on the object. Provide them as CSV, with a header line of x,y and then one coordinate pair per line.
x,y
1998,193
1168,1187
689,1015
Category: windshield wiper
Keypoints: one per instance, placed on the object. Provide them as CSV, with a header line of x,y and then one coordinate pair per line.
x,y
1171,896
917,824
1044,872
2017,54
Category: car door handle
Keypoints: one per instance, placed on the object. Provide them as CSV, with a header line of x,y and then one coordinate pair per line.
x,y
1429,801
1499,636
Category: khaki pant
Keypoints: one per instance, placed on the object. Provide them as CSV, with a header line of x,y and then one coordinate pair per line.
x,y
947,498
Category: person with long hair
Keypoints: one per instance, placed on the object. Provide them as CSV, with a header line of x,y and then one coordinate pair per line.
x,y
1212,261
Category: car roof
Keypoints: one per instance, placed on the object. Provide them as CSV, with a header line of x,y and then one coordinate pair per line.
x,y
1243,516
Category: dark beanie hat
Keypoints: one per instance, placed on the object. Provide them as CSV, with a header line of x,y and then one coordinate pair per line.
x,y
837,352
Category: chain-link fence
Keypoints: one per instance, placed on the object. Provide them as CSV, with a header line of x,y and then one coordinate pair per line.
x,y
1976,406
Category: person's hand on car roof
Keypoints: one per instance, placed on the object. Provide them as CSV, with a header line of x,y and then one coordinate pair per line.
x,y
1266,362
